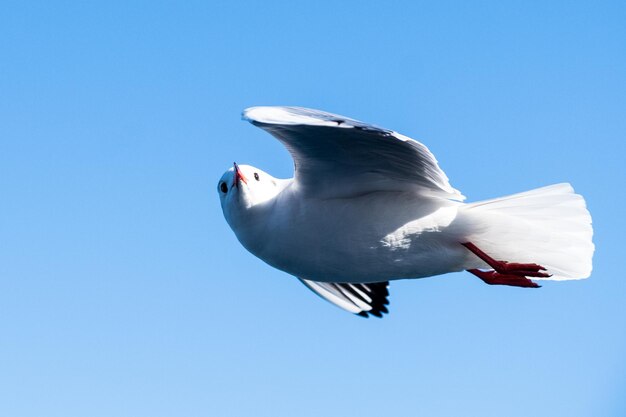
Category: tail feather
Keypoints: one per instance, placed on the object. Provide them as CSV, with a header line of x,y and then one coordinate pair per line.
x,y
550,226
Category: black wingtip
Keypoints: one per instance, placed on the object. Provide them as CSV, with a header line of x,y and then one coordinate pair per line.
x,y
379,292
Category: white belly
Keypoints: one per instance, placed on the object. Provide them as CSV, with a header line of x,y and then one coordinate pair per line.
x,y
370,239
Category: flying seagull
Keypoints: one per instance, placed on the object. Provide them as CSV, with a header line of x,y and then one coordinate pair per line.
x,y
368,205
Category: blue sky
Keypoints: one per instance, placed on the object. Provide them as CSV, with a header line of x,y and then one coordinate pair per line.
x,y
123,291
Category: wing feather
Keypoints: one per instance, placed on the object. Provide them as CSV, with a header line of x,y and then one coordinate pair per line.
x,y
361,299
336,156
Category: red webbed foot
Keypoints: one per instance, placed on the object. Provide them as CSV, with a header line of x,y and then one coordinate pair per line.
x,y
496,278
506,273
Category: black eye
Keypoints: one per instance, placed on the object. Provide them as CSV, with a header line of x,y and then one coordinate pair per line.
x,y
223,187
256,176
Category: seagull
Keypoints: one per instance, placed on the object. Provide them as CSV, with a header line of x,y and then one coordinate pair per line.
x,y
367,205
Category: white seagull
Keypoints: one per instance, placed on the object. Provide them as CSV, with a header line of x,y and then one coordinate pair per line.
x,y
368,205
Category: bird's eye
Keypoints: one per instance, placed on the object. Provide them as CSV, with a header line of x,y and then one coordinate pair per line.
x,y
223,187
256,176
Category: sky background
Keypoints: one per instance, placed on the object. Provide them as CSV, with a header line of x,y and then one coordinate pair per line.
x,y
123,292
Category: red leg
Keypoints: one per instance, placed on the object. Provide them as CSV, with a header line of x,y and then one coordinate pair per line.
x,y
506,273
508,268
495,278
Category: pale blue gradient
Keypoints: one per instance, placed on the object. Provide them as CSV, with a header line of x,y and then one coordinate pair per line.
x,y
123,291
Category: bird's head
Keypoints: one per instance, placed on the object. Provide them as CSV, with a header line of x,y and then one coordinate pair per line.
x,y
243,187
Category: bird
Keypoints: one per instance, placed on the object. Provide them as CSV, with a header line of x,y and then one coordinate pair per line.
x,y
368,205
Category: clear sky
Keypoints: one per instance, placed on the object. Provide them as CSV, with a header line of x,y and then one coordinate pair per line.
x,y
123,291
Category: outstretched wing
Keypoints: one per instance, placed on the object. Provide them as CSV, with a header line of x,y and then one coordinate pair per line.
x,y
336,156
360,299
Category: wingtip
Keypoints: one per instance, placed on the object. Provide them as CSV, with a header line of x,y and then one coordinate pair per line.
x,y
246,114
293,115
264,114
372,313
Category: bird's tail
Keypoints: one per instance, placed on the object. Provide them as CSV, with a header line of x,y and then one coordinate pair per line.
x,y
549,226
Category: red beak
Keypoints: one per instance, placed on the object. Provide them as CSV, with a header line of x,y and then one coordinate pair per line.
x,y
238,176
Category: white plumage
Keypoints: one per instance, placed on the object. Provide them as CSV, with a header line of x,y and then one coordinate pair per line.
x,y
368,205
549,226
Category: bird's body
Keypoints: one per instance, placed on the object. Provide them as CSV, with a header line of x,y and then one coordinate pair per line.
x,y
368,205
369,238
